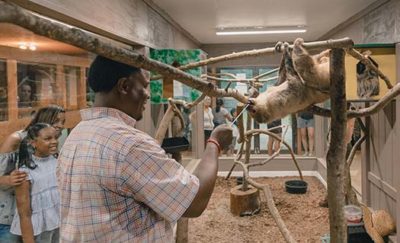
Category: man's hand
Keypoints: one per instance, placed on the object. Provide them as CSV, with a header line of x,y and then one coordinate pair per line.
x,y
223,134
16,178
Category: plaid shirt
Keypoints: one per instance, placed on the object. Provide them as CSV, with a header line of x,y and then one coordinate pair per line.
x,y
117,184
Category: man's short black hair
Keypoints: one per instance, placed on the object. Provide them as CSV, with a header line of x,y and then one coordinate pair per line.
x,y
104,73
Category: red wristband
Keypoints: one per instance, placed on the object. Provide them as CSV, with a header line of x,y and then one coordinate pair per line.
x,y
211,140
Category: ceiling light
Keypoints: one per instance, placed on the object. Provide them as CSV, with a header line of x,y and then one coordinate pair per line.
x,y
24,46
260,30
32,47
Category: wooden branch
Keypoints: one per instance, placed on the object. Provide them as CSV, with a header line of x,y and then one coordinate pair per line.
x,y
354,149
316,110
366,61
246,80
11,13
239,109
265,188
351,197
270,203
317,45
274,211
233,76
336,153
250,132
390,95
188,105
237,158
266,73
276,153
165,121
226,79
380,104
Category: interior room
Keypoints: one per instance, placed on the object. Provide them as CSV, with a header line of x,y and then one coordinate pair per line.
x,y
307,90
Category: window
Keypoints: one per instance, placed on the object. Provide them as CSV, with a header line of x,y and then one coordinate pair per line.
x,y
36,87
72,77
3,91
89,91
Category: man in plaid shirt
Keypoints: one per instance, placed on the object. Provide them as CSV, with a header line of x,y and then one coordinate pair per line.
x,y
116,183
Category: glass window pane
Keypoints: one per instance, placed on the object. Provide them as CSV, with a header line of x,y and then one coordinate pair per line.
x,y
36,86
3,91
89,91
72,77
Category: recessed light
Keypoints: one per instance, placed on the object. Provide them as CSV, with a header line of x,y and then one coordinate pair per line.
x,y
22,46
260,30
32,47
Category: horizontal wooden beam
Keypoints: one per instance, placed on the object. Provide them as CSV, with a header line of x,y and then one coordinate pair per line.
x,y
382,185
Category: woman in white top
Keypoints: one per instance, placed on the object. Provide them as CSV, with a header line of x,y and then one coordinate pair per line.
x,y
208,117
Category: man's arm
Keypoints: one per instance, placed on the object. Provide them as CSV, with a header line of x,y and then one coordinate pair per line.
x,y
206,172
207,169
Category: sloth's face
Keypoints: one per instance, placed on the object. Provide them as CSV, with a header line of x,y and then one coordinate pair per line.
x,y
257,110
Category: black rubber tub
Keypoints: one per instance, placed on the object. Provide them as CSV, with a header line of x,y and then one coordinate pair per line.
x,y
173,145
296,186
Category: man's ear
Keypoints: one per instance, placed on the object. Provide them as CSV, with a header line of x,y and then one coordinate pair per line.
x,y
123,85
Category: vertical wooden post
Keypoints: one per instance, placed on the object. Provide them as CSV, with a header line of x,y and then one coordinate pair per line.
x,y
239,108
248,151
61,90
182,230
337,149
397,130
198,131
320,141
12,90
82,89
366,161
299,142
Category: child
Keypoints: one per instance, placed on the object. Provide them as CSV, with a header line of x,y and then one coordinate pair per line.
x,y
38,199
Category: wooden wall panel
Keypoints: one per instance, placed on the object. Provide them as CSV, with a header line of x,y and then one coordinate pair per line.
x,y
12,90
396,145
374,140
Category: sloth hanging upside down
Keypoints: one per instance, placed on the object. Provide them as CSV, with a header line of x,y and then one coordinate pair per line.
x,y
303,80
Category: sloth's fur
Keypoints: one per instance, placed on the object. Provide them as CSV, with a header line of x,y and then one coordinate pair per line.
x,y
367,80
303,80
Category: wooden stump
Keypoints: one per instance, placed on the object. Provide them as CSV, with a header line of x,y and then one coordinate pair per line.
x,y
245,202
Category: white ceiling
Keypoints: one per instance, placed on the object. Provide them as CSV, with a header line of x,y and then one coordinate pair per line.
x,y
201,17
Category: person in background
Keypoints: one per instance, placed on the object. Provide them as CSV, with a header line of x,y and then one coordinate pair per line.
x,y
273,144
117,184
25,96
208,117
53,115
306,123
37,217
9,175
3,103
221,114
